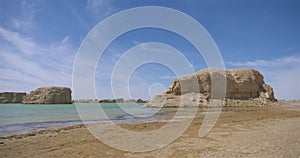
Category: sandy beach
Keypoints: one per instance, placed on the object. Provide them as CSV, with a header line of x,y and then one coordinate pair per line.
x,y
239,132
155,78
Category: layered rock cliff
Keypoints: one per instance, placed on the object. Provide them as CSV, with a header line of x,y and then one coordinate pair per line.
x,y
11,97
244,86
49,95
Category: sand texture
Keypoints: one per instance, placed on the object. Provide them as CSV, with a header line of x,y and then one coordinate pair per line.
x,y
239,132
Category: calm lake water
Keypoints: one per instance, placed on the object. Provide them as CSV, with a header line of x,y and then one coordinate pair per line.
x,y
23,118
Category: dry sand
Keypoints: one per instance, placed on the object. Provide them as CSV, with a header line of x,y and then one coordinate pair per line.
x,y
239,132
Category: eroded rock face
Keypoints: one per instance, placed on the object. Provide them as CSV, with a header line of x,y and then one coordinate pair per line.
x,y
49,95
242,84
11,97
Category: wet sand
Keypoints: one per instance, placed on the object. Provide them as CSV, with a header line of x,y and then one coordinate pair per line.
x,y
239,132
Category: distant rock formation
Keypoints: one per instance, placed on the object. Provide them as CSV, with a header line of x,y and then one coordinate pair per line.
x,y
118,100
244,87
140,101
134,101
49,95
11,97
86,101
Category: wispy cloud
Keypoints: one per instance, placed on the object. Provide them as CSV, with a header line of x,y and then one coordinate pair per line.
x,y
25,61
66,40
24,44
21,23
295,59
135,42
100,8
26,20
167,77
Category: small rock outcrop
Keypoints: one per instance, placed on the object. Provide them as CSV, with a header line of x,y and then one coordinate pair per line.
x,y
244,87
118,100
49,95
140,101
86,101
11,97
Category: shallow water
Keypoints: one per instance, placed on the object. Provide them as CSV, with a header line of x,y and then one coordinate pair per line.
x,y
23,118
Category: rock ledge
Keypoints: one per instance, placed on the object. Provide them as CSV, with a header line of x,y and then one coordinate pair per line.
x,y
49,95
11,97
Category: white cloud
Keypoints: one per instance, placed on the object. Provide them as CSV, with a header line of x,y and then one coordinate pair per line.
x,y
33,64
26,20
15,76
66,40
167,77
135,42
280,61
25,45
100,8
25,23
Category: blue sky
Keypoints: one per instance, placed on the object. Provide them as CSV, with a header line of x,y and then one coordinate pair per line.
x,y
39,41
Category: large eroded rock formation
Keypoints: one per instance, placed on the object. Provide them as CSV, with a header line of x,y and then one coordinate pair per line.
x,y
49,95
11,97
244,87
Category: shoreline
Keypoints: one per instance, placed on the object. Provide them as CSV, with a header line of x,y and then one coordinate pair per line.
x,y
20,119
164,117
244,132
33,127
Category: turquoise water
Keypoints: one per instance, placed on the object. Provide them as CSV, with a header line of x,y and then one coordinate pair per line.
x,y
23,118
